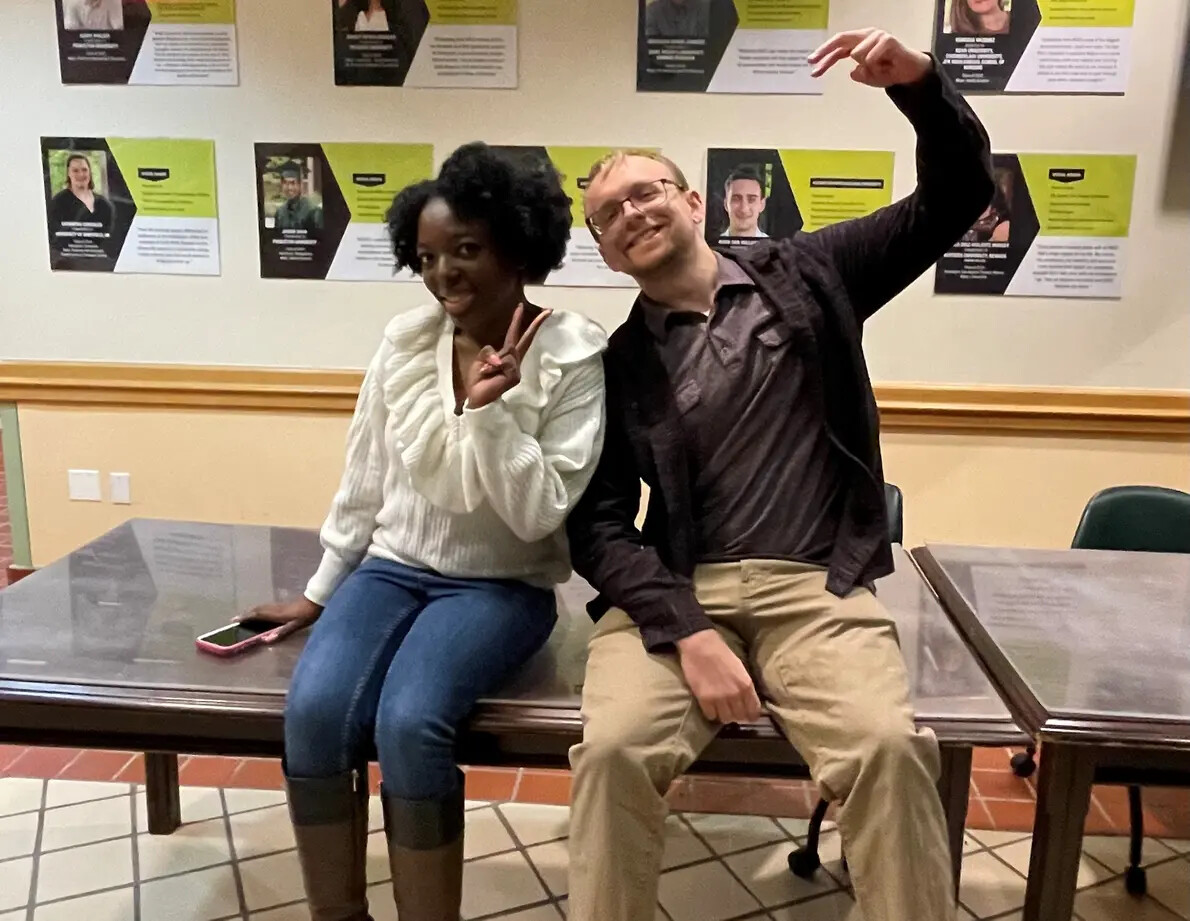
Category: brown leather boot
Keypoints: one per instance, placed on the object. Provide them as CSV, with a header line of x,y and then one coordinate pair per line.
x,y
330,823
425,852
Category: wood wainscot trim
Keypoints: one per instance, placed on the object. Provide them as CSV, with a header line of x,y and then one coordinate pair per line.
x,y
1152,414
136,386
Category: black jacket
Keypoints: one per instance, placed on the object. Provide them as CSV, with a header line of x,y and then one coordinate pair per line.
x,y
826,284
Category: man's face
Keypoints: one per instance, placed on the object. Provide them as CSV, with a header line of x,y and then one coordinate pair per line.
x,y
745,203
291,187
638,242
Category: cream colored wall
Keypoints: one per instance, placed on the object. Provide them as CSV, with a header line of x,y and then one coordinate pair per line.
x,y
577,86
283,469
205,466
1014,490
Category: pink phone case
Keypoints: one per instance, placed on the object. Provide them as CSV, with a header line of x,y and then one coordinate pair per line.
x,y
225,651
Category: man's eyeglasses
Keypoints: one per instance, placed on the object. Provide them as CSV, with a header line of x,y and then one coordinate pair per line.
x,y
644,197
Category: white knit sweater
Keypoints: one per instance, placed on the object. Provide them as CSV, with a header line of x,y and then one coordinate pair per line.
x,y
481,495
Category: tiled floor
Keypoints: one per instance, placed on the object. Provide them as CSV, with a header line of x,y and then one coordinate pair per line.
x,y
73,849
998,800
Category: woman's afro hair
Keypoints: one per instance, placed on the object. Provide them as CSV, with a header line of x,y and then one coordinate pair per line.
x,y
519,198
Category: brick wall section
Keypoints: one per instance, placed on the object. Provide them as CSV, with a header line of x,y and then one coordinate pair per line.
x,y
5,526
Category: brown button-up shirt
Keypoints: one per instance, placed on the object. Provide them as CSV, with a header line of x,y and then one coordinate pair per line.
x,y
767,482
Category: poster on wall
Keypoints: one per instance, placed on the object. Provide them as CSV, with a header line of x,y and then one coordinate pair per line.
x,y
1035,46
321,208
583,266
755,194
729,46
148,42
429,43
1057,226
143,205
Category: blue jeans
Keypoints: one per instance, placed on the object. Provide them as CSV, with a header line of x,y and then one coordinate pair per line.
x,y
401,655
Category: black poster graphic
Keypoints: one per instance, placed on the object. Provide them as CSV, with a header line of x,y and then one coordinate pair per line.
x,y
979,57
375,42
988,256
680,54
301,211
89,208
748,197
100,44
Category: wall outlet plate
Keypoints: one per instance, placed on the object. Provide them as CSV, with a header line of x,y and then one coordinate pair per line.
x,y
120,488
84,485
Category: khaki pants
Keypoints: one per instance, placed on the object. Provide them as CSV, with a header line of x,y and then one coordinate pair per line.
x,y
832,674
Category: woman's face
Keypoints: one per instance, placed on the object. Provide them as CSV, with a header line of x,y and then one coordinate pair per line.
x,y
460,267
79,172
983,7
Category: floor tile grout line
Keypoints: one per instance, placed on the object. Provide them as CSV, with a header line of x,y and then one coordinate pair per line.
x,y
516,910
135,860
812,897
31,904
103,890
84,802
241,897
1010,866
82,844
524,851
123,768
516,785
721,859
69,763
13,815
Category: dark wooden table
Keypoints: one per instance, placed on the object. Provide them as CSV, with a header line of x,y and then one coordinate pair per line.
x,y
97,651
1092,651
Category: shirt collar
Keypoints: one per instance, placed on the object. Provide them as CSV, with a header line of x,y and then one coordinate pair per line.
x,y
657,315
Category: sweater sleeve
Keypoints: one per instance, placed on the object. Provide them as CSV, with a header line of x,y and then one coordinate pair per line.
x,y
347,531
532,482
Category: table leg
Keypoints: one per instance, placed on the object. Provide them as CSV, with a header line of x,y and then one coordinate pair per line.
x,y
161,792
1063,798
954,786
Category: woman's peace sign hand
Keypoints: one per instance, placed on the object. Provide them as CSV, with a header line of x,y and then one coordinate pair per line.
x,y
494,373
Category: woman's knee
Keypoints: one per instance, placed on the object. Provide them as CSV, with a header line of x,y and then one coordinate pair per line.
x,y
409,737
317,729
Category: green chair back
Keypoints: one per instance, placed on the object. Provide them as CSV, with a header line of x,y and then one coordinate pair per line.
x,y
1149,519
895,502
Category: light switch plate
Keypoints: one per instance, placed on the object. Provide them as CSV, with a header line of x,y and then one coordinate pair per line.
x,y
120,488
84,485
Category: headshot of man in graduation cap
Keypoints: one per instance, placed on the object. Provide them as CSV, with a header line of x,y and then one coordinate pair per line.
x,y
297,212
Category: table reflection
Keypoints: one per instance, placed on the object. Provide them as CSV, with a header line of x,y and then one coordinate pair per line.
x,y
1091,633
126,609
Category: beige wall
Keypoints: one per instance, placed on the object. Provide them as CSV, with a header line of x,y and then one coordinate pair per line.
x,y
282,469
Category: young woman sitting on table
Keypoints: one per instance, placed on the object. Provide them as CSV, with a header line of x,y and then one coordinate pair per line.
x,y
478,426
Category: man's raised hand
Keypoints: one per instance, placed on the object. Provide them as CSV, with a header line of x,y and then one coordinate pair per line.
x,y
881,60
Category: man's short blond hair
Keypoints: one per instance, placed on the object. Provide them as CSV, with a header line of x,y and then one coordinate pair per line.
x,y
618,156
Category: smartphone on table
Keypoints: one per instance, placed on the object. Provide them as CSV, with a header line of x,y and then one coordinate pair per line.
x,y
233,639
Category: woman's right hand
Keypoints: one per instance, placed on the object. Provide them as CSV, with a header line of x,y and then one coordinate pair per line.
x,y
291,615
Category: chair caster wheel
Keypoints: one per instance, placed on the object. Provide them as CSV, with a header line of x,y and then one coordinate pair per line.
x,y
1023,764
1135,881
803,863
